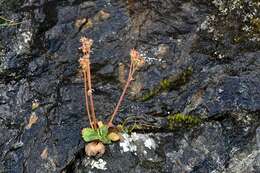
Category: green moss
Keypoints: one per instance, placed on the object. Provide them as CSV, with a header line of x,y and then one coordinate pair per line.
x,y
170,83
153,92
182,120
165,84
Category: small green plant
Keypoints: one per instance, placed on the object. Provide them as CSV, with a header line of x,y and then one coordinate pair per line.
x,y
99,133
4,22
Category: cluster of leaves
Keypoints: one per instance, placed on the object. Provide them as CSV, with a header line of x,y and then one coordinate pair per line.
x,y
100,134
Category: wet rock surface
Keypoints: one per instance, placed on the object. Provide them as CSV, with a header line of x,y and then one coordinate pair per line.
x,y
194,67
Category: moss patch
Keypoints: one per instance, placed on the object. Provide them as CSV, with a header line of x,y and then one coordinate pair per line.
x,y
170,83
182,120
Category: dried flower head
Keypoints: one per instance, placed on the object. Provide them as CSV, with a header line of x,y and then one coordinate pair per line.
x,y
85,66
137,60
86,45
84,61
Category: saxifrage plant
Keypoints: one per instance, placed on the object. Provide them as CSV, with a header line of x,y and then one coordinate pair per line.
x,y
100,133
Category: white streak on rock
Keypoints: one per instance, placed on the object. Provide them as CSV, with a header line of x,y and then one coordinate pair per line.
x,y
98,164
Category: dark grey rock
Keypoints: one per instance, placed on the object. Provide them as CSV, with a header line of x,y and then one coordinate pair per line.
x,y
199,62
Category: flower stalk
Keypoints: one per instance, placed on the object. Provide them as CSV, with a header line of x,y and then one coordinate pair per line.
x,y
136,62
85,68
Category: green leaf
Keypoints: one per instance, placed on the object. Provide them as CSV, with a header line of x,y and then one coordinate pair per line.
x,y
89,134
105,140
103,130
103,134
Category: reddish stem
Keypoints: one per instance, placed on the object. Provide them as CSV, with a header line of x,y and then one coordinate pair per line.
x,y
86,98
91,97
129,79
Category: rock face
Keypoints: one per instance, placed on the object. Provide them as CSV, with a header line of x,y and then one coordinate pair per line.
x,y
202,60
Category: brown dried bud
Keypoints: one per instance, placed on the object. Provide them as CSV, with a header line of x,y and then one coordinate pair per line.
x,y
95,149
113,136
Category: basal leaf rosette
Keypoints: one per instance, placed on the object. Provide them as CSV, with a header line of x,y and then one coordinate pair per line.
x,y
101,134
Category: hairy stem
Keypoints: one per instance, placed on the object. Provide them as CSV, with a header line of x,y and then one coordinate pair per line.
x,y
92,109
86,99
129,79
